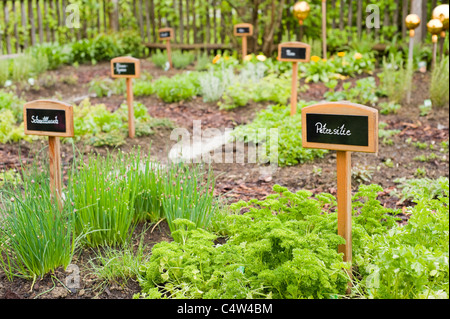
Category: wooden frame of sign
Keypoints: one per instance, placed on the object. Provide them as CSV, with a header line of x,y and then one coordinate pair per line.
x,y
166,34
294,52
243,30
125,67
358,116
344,127
129,68
53,119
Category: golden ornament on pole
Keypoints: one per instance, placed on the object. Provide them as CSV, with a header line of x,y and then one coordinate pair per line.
x,y
412,21
441,13
301,11
434,26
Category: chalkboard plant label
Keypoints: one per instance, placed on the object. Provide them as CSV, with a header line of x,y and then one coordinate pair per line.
x,y
48,118
340,126
125,67
294,52
165,34
243,29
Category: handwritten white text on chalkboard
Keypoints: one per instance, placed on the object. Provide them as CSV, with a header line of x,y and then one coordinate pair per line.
x,y
322,129
121,68
45,120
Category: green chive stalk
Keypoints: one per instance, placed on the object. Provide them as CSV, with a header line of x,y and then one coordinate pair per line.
x,y
102,193
188,195
36,236
148,206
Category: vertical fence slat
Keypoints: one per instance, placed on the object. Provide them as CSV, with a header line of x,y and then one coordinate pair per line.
x,y
24,23
63,12
350,17
32,22
152,17
147,20
188,26
359,18
181,23
1,39
7,35
214,21
404,14
208,24
194,22
40,25
141,20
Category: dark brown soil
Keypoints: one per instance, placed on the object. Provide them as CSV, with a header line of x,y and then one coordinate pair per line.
x,y
234,181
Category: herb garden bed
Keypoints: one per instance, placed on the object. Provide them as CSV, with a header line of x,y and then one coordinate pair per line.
x,y
412,146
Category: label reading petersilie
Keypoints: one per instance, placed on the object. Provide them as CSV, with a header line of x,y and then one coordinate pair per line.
x,y
337,129
164,34
124,68
293,53
45,120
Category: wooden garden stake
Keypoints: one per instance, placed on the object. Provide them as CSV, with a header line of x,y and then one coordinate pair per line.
x,y
324,28
53,119
434,26
166,34
412,21
294,52
294,88
129,68
346,128
243,30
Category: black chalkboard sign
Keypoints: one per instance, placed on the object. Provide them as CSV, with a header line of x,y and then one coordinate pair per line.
x,y
337,129
124,68
46,120
293,53
164,34
243,30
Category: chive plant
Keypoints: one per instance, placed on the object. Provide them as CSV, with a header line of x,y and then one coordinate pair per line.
x,y
188,194
36,236
147,205
103,192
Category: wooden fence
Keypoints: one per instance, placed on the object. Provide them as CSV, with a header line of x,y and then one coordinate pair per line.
x,y
197,23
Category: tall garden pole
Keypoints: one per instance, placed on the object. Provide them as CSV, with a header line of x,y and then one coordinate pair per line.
x,y
324,28
434,26
412,21
441,12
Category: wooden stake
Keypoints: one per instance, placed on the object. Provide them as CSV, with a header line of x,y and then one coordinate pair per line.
x,y
344,200
131,130
244,47
324,28
169,53
294,88
434,39
54,147
410,63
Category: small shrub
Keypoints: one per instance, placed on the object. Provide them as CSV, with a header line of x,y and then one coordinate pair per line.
x,y
182,59
180,87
